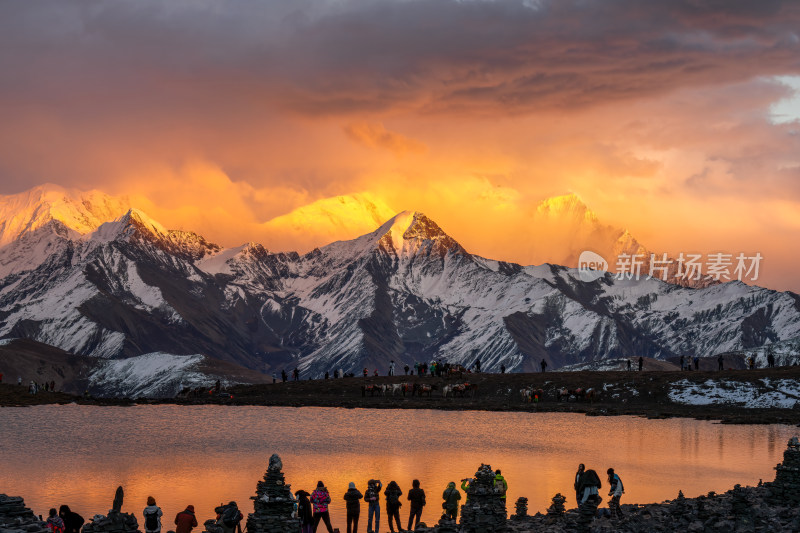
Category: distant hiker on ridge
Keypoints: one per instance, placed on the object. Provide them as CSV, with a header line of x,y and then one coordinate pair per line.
x,y
544,365
641,363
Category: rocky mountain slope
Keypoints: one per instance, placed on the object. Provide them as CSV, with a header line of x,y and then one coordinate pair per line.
x,y
404,292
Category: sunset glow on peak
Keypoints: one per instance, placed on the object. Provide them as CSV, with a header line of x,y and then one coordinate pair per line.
x,y
296,124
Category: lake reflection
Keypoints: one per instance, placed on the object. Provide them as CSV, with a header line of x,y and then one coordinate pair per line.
x,y
205,455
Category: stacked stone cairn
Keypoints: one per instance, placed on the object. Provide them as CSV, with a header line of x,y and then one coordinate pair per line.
x,y
273,503
521,509
485,508
786,487
446,525
16,518
115,522
557,508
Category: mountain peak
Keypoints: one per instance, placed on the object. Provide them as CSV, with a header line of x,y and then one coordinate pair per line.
x,y
567,205
408,231
81,211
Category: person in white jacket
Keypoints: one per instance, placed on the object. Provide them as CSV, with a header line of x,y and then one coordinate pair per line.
x,y
152,516
616,493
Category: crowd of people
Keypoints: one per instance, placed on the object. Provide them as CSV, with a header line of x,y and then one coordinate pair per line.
x,y
311,509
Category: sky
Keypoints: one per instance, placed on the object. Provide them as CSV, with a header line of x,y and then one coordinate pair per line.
x,y
676,120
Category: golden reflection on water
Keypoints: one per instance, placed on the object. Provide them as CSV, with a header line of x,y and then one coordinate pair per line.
x,y
207,455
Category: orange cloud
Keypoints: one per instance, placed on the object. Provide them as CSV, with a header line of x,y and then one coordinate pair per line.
x,y
375,135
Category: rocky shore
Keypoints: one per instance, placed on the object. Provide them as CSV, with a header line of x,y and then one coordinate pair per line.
x,y
771,506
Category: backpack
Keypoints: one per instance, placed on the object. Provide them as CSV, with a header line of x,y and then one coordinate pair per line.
x,y
151,521
392,498
499,486
618,480
55,526
231,516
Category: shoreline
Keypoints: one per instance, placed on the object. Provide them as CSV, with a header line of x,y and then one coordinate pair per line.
x,y
643,394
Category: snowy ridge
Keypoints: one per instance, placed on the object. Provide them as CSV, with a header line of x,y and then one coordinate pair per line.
x,y
405,292
781,393
152,375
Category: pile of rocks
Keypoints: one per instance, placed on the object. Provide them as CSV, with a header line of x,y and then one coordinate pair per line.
x,y
557,509
274,503
521,509
786,487
485,508
115,522
16,518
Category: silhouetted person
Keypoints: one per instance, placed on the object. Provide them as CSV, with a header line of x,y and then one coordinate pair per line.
x,y
544,365
577,483
719,362
629,365
393,504
771,360
284,377
353,507
417,498
641,363
72,521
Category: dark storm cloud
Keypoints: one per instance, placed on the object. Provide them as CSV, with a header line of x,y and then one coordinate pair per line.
x,y
112,83
348,56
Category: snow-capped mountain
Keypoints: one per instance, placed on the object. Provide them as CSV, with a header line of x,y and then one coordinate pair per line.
x,y
79,211
326,220
406,291
573,228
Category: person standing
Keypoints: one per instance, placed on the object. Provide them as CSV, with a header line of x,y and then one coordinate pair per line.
x,y
629,365
641,363
372,497
283,375
720,360
615,492
696,361
577,484
770,360
353,507
544,365
320,499
451,496
500,484
406,368
417,498
72,521
152,516
683,363
296,374
478,365
304,512
502,369
393,504
391,367
185,521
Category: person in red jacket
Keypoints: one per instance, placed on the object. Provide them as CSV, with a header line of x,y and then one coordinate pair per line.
x,y
185,520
